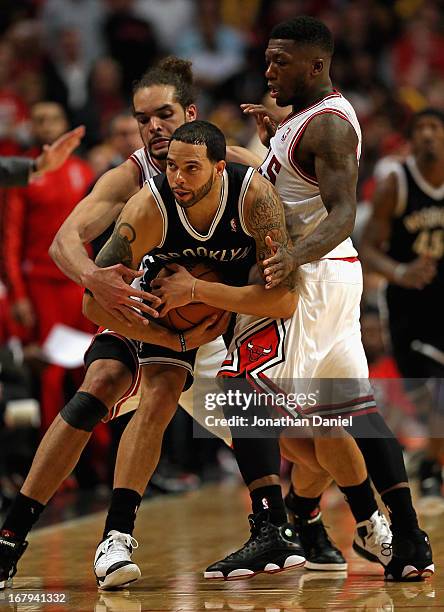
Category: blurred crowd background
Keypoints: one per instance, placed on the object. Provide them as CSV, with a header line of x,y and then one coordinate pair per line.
x,y
84,55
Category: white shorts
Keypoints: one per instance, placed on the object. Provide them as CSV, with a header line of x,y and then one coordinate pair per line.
x,y
321,341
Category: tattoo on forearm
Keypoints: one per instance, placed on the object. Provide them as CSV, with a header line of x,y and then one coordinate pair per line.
x,y
266,218
118,248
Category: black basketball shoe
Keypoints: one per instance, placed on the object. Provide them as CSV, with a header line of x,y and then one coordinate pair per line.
x,y
270,549
11,550
411,557
320,552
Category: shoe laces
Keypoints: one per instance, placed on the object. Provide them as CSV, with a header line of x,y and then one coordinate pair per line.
x,y
380,534
118,543
256,522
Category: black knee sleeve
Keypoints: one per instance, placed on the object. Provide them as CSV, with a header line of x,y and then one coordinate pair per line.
x,y
382,452
83,411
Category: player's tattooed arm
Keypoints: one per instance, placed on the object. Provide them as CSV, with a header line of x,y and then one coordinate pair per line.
x,y
138,230
118,248
332,142
265,219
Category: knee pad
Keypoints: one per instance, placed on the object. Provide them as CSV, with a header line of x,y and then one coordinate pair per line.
x,y
83,411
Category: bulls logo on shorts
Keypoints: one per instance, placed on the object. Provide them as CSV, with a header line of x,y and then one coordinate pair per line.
x,y
257,349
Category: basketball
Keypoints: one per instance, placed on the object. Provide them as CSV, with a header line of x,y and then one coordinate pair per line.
x,y
186,317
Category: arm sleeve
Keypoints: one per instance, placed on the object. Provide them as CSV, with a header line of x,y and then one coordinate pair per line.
x,y
15,171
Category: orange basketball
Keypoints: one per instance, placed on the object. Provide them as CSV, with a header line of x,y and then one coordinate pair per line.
x,y
185,317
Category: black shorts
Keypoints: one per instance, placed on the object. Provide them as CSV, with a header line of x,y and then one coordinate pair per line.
x,y
416,332
152,353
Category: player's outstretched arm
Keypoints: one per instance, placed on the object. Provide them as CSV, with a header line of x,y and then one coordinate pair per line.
x,y
137,231
56,154
92,215
89,219
332,142
264,215
241,155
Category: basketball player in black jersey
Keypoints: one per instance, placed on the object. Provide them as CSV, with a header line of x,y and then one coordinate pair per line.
x,y
191,212
404,241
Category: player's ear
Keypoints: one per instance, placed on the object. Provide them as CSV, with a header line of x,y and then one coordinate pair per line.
x,y
191,113
220,166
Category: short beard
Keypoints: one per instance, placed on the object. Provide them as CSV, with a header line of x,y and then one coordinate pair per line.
x,y
199,194
158,156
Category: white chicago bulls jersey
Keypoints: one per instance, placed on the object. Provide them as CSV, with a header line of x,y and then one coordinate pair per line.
x,y
323,338
148,167
304,209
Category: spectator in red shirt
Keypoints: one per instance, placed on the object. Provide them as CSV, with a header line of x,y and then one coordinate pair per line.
x,y
40,294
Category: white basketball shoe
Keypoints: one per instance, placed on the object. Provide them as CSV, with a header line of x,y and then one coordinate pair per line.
x,y
373,539
112,564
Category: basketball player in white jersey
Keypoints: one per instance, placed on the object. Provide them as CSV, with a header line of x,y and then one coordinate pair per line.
x,y
317,152
313,161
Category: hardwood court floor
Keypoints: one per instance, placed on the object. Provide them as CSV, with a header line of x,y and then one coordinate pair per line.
x,y
179,536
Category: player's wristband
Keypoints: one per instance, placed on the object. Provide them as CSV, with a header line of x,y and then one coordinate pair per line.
x,y
183,344
193,288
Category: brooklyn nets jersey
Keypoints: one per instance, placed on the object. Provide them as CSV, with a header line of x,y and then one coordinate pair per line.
x,y
227,245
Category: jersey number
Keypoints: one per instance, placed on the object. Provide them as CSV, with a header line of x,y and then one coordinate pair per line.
x,y
430,243
272,170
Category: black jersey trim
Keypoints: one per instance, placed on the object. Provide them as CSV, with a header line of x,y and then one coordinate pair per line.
x,y
217,217
162,209
243,192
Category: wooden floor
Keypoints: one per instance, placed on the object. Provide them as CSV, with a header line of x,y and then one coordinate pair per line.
x,y
180,536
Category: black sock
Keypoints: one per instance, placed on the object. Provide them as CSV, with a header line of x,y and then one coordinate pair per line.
x,y
257,457
361,500
402,513
304,507
269,498
22,515
122,511
382,452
